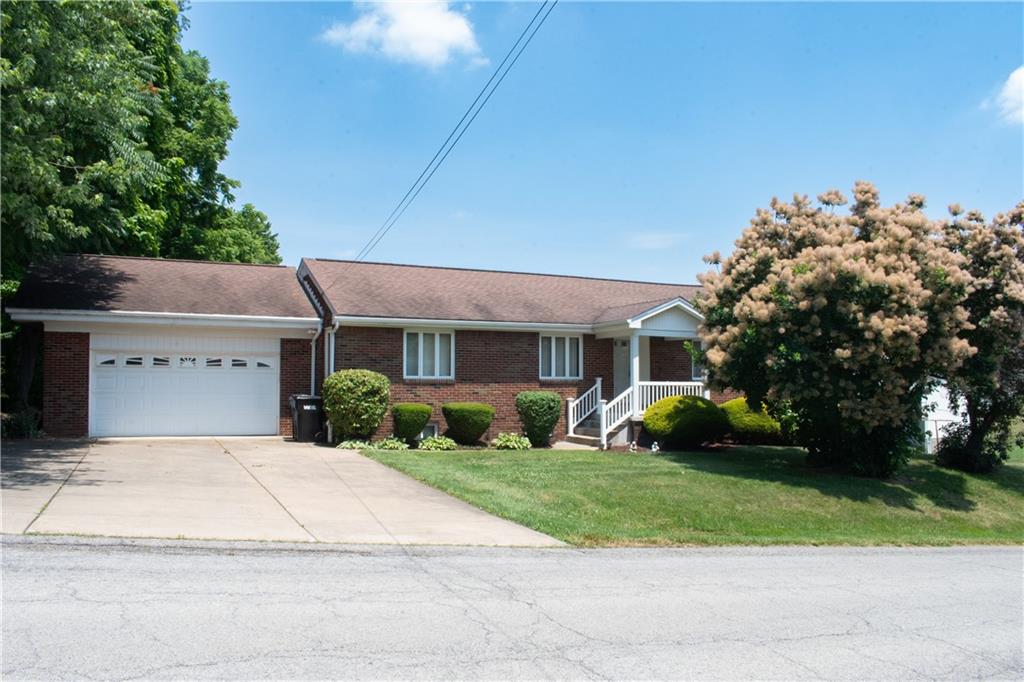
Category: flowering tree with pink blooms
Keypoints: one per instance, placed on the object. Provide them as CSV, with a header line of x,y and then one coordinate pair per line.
x,y
990,383
845,317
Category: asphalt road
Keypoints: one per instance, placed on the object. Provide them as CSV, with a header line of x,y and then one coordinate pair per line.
x,y
106,609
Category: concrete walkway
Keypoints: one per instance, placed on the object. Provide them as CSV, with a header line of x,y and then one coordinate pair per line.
x,y
234,489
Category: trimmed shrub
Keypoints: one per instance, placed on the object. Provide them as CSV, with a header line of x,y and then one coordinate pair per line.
x,y
467,422
747,426
390,444
356,401
685,421
438,443
354,445
410,418
539,412
511,441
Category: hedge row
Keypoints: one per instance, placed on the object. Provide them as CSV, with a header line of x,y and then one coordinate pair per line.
x,y
686,422
356,400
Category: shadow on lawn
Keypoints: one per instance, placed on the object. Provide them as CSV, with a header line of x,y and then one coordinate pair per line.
x,y
787,466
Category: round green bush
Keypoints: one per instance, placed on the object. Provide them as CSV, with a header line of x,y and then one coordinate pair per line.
x,y
467,422
747,426
539,412
438,443
685,421
356,401
410,418
511,441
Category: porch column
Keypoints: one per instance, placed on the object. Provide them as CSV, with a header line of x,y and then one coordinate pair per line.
x,y
634,370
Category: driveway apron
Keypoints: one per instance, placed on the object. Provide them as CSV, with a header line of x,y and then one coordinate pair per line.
x,y
235,489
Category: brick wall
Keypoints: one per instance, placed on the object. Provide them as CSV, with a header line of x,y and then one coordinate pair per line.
x,y
490,367
670,361
295,359
66,384
720,396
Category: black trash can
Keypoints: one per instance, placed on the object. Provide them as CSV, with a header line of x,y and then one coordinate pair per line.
x,y
307,418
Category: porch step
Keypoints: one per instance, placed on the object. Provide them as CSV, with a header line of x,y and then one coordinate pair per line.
x,y
592,441
586,430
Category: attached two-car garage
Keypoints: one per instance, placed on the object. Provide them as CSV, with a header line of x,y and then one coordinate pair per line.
x,y
183,385
152,347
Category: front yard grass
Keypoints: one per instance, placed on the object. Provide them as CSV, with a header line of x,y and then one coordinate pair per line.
x,y
741,495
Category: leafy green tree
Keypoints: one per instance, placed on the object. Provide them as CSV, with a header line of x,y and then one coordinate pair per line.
x,y
112,137
242,236
77,99
991,382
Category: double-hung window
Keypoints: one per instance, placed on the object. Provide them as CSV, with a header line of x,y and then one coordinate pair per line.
x,y
561,357
429,355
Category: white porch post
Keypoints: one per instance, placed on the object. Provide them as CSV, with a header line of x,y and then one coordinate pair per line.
x,y
634,370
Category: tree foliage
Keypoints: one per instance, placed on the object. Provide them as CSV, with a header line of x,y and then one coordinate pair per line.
x,y
112,139
991,382
847,317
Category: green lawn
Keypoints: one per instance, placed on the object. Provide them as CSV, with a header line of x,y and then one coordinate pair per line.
x,y
729,496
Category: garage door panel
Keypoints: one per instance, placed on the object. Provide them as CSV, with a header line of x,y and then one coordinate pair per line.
x,y
148,389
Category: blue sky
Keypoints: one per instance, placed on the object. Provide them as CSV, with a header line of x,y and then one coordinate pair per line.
x,y
628,141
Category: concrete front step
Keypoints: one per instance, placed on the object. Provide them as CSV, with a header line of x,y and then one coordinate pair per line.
x,y
591,441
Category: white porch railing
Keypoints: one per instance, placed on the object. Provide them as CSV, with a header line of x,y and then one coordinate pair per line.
x,y
653,391
629,403
614,412
582,407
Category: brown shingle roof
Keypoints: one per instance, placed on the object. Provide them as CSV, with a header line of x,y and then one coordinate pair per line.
x,y
420,292
116,283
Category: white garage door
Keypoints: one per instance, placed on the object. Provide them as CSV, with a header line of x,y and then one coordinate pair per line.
x,y
176,385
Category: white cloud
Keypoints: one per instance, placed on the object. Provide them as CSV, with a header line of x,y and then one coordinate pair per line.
x,y
652,241
1010,100
422,32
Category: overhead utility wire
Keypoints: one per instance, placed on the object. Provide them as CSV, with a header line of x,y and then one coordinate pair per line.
x,y
435,162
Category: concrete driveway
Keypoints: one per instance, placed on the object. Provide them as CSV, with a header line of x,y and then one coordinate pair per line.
x,y
234,489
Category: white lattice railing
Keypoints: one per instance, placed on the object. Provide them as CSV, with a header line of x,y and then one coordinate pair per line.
x,y
653,391
583,406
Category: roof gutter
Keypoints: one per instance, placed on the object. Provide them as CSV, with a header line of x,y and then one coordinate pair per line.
x,y
145,317
492,325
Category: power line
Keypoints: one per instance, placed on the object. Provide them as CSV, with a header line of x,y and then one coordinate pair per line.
x,y
445,149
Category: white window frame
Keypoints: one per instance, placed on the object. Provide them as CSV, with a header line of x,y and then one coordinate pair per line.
x,y
436,333
540,357
696,368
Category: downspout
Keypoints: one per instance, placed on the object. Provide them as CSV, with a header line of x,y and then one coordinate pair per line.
x,y
312,357
334,343
329,364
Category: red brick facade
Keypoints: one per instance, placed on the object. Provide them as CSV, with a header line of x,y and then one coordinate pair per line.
x,y
490,367
670,361
295,367
66,384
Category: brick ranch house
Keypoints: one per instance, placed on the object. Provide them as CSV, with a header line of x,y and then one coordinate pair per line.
x,y
147,347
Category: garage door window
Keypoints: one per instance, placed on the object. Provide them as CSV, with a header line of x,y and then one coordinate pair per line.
x,y
161,361
106,360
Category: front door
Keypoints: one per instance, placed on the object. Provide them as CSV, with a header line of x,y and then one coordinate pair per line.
x,y
620,360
